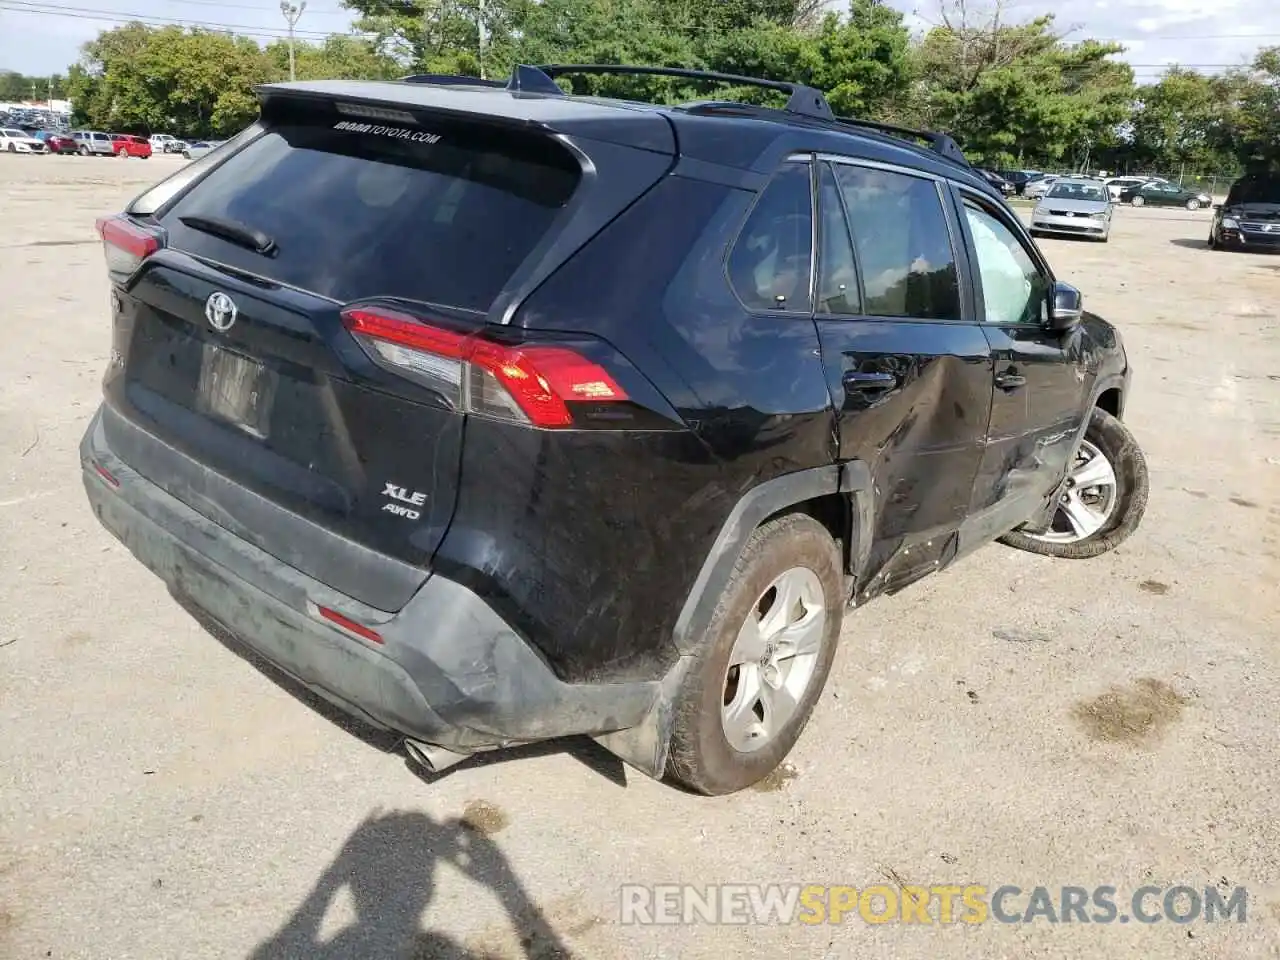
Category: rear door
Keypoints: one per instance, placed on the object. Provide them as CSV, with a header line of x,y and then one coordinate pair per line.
x,y
908,369
234,351
1041,378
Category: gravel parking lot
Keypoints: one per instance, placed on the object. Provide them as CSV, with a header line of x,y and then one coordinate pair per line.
x,y
1017,721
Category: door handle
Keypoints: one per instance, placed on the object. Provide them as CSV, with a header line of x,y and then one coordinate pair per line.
x,y
869,381
1010,381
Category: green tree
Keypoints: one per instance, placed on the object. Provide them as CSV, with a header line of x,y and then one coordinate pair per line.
x,y
17,87
339,57
143,79
1254,134
1178,124
1017,93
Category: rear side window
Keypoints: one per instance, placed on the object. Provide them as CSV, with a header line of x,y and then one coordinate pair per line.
x,y
362,211
903,244
837,274
771,262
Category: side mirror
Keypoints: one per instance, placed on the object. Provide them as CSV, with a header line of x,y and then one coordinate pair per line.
x,y
1217,206
1068,307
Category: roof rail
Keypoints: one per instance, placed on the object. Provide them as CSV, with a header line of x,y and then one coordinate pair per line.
x,y
939,143
450,80
802,100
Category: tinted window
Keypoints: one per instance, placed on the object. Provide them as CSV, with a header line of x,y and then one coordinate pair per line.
x,y
1013,288
771,261
837,275
359,214
903,244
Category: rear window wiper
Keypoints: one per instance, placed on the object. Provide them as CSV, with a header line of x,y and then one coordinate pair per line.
x,y
233,231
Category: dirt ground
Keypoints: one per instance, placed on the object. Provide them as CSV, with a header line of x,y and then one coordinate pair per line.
x,y
1017,720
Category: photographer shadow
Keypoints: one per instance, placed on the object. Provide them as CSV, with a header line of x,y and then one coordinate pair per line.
x,y
390,865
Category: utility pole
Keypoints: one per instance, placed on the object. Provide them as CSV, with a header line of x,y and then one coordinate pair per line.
x,y
292,13
481,29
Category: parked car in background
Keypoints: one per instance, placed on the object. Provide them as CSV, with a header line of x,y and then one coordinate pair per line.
x,y
1250,219
427,485
166,143
1118,185
198,149
126,145
1000,183
1020,178
1161,194
13,140
59,142
1074,206
1038,188
91,143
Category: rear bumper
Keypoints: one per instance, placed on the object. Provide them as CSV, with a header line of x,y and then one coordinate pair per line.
x,y
449,671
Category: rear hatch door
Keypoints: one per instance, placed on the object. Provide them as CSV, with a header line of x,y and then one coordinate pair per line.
x,y
233,353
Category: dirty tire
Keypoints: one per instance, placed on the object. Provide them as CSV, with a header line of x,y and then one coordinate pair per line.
x,y
1118,445
701,757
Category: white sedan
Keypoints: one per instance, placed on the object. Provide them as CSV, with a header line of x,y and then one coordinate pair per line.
x,y
14,140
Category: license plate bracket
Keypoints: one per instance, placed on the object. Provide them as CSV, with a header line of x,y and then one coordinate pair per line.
x,y
236,390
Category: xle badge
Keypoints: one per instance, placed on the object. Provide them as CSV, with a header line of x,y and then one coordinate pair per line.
x,y
403,496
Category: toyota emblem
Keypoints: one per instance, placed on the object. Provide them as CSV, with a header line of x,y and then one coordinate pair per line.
x,y
221,311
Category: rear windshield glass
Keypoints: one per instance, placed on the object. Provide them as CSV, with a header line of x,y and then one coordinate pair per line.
x,y
362,210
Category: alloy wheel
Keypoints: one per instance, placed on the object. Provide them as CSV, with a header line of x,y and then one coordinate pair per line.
x,y
1088,501
772,662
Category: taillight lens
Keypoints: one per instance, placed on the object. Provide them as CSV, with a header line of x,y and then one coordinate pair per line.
x,y
531,384
126,244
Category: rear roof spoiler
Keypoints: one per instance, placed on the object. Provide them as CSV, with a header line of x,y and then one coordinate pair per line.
x,y
472,95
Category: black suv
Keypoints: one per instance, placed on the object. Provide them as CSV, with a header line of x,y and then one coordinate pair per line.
x,y
495,414
1250,219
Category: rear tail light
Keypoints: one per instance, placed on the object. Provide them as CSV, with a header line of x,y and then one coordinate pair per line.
x,y
126,244
531,384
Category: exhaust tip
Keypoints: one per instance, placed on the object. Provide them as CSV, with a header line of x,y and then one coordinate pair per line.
x,y
432,758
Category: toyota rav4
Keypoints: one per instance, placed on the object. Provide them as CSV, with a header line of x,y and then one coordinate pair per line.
x,y
496,414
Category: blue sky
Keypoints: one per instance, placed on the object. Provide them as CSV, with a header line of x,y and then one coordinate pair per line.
x,y
44,36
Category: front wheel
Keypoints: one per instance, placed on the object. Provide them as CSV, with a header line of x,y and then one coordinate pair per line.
x,y
1104,499
763,661
1193,204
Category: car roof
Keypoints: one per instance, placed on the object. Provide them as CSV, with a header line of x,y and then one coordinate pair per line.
x,y
699,128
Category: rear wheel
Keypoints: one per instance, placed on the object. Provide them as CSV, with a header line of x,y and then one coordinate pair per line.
x,y
1105,497
1137,201
763,661
84,151
1193,204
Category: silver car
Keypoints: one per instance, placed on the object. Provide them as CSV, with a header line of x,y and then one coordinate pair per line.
x,y
1074,207
1038,188
194,151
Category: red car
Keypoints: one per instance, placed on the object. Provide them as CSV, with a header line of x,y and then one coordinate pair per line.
x,y
125,145
59,143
